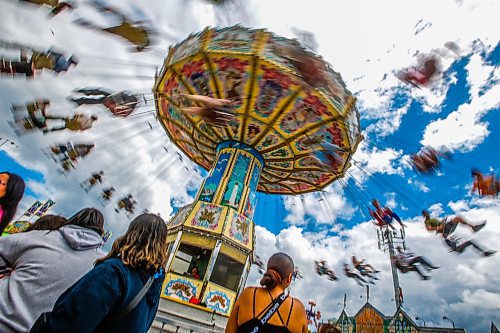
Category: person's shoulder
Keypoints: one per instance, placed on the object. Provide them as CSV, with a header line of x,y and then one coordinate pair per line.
x,y
248,293
297,303
112,265
32,236
12,238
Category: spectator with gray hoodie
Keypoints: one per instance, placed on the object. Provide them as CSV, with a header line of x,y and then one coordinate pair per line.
x,y
44,264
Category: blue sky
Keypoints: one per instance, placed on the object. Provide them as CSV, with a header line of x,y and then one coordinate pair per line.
x,y
9,164
459,111
454,177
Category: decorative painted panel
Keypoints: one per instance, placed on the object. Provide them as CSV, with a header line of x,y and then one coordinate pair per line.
x,y
208,217
213,181
181,287
249,208
219,299
239,229
307,110
232,39
180,216
188,47
236,183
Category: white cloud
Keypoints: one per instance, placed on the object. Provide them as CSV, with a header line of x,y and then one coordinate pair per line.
x,y
463,129
366,42
388,121
419,184
322,208
458,206
463,283
436,209
369,160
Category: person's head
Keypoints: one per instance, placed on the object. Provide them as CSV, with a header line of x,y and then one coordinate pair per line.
x,y
328,328
399,248
279,271
375,203
47,222
143,246
89,218
425,213
73,60
475,173
354,260
194,270
43,102
11,192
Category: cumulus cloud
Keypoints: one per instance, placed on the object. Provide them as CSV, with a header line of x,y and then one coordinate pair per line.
x,y
320,208
463,284
369,160
366,49
463,129
128,151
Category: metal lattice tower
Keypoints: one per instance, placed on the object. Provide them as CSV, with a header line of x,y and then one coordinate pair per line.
x,y
386,240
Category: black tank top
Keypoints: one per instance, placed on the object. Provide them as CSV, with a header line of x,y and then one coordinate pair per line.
x,y
248,326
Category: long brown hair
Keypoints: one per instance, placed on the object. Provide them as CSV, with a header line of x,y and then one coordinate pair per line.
x,y
89,218
143,246
47,222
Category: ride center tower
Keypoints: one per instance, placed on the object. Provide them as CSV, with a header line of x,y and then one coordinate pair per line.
x,y
277,123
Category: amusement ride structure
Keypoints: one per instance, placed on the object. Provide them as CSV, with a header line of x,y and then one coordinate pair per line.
x,y
386,240
278,122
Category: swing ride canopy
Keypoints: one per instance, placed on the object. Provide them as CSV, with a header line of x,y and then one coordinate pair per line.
x,y
278,113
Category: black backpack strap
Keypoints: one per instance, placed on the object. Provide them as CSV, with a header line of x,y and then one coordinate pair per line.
x,y
274,306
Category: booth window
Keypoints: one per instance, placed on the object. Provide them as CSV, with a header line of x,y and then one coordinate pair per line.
x,y
189,257
227,272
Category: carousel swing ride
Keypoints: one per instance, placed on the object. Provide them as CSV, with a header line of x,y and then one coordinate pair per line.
x,y
273,123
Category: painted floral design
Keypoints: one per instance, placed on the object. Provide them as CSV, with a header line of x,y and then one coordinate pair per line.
x,y
218,301
207,217
240,229
180,288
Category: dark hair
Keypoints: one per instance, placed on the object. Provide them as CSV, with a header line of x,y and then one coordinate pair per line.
x,y
74,60
279,267
89,218
143,246
47,222
9,202
328,328
475,172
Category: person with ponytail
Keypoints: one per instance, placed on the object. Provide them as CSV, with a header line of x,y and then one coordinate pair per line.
x,y
268,309
122,292
11,192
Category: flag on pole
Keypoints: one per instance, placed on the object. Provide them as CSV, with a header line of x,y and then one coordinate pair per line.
x,y
46,206
34,207
106,235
